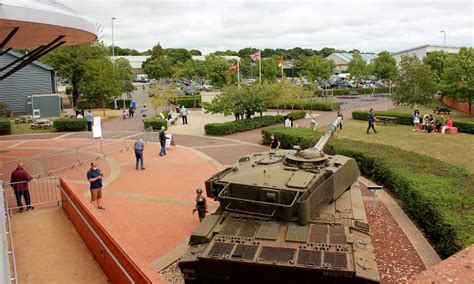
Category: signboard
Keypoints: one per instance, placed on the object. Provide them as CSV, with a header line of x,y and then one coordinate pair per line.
x,y
96,128
169,140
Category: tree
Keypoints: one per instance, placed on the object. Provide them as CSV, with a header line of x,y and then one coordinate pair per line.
x,y
70,62
158,67
458,76
195,52
317,68
100,82
357,67
176,55
325,52
216,70
124,75
384,66
415,82
269,69
437,60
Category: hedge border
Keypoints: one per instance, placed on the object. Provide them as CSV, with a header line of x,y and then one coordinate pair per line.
x,y
5,127
407,119
70,124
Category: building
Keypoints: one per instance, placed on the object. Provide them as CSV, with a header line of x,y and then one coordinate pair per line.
x,y
422,51
342,59
136,62
34,79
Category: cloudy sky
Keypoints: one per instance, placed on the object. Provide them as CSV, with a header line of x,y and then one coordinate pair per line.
x,y
369,26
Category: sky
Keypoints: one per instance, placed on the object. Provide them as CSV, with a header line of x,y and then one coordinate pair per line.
x,y
369,26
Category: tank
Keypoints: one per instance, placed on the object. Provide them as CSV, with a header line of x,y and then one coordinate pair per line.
x,y
285,216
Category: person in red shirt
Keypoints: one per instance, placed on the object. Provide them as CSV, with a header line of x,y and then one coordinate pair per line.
x,y
448,124
19,181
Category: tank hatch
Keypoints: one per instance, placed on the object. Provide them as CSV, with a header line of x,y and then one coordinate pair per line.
x,y
300,179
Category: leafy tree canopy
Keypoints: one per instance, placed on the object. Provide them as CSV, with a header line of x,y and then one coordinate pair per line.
x,y
384,66
317,68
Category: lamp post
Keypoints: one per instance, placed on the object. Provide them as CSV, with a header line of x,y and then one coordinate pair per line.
x,y
113,44
444,34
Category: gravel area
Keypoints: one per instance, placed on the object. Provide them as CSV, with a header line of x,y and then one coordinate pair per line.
x,y
397,260
172,274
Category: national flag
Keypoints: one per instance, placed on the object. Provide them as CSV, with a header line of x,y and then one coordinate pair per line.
x,y
234,68
255,56
281,62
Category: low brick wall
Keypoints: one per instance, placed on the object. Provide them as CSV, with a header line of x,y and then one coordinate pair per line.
x,y
464,107
91,231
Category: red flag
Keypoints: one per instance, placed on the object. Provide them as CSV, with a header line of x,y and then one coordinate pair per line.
x,y
255,56
281,62
233,68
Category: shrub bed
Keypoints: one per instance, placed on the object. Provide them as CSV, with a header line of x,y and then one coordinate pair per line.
x,y
437,195
70,124
119,104
465,126
361,91
230,127
5,127
156,123
188,101
83,104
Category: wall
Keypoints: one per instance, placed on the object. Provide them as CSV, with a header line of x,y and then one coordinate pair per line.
x,y
106,262
31,80
464,107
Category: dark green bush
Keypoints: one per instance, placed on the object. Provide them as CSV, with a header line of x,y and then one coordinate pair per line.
x,y
4,111
119,104
5,127
247,124
188,101
70,124
466,126
439,196
156,123
289,137
83,104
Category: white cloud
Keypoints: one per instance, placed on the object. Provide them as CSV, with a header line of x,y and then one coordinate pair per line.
x,y
216,25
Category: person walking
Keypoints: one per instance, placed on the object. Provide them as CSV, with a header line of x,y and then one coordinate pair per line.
x,y
201,205
139,147
144,112
339,114
19,179
163,138
95,176
274,143
371,119
89,120
184,115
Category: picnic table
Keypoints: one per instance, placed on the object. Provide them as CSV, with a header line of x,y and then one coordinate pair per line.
x,y
24,119
41,124
440,110
387,120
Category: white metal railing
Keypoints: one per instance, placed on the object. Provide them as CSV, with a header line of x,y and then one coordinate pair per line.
x,y
7,259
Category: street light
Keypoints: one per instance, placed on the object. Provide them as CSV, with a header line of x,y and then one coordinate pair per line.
x,y
113,45
444,32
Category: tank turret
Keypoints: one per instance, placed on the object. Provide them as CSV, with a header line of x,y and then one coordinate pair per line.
x,y
295,212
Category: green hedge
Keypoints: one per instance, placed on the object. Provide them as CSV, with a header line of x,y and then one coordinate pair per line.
x,y
119,104
465,126
362,91
230,127
70,124
308,105
156,123
188,101
438,195
5,127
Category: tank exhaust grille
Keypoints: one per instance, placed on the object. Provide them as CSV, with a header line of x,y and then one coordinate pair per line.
x,y
220,249
336,259
280,255
245,252
309,257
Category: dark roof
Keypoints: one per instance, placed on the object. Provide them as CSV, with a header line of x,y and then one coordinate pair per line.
x,y
37,63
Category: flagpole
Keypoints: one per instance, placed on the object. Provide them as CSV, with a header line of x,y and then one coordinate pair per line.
x,y
260,66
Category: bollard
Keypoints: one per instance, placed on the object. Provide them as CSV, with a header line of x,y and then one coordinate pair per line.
x,y
374,188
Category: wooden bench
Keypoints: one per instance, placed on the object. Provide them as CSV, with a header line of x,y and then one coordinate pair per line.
x,y
440,110
386,120
451,130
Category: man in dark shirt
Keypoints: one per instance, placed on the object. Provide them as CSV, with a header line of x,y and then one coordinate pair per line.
x,y
139,147
95,175
163,138
274,143
19,180
371,119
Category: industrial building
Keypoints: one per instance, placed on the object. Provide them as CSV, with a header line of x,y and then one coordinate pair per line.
x,y
422,51
342,59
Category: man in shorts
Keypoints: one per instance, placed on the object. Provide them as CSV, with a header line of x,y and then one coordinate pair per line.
x,y
95,175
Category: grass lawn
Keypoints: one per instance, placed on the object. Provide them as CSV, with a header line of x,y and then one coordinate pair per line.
x,y
427,110
453,149
26,129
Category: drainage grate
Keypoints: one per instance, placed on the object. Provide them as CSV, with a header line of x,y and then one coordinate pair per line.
x,y
280,255
361,226
244,252
309,257
220,249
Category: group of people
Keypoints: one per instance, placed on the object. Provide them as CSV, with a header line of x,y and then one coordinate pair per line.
x,y
429,123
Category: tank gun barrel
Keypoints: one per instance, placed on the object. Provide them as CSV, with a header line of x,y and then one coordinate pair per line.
x,y
325,138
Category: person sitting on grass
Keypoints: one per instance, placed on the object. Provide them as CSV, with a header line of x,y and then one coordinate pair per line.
x,y
440,123
448,124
